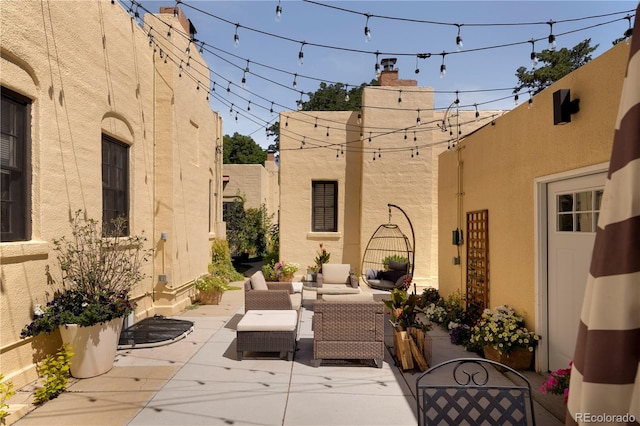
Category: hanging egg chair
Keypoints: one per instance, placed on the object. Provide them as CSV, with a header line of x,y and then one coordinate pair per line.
x,y
389,256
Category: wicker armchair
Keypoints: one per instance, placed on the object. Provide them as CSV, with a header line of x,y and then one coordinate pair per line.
x,y
348,330
337,278
278,296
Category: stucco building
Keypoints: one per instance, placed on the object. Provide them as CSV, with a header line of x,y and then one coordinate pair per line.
x,y
86,86
257,184
353,163
535,188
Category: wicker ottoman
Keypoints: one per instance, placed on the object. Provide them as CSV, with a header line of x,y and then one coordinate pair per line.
x,y
267,331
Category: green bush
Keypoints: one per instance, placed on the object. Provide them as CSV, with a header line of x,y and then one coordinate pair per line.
x,y
247,228
55,371
6,392
221,264
395,258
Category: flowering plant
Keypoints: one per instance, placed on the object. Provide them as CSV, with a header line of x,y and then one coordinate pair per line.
x,y
282,269
558,382
503,329
403,310
98,267
322,257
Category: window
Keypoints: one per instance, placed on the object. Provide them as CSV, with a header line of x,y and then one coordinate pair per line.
x,y
115,182
325,206
13,167
578,211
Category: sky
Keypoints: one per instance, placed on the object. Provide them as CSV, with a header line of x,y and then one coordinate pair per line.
x,y
496,40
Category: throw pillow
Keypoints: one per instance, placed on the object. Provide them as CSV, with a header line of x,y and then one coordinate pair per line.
x,y
398,266
391,275
258,282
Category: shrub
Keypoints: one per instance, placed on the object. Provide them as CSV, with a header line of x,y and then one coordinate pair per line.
x,y
395,258
221,264
55,371
6,392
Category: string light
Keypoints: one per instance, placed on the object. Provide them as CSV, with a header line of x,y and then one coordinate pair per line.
x,y
201,50
295,83
477,112
169,31
515,99
377,66
629,32
249,106
400,96
301,54
367,31
459,38
552,38
346,96
278,12
405,134
316,123
534,57
271,109
327,131
443,67
236,37
418,118
302,143
530,100
359,121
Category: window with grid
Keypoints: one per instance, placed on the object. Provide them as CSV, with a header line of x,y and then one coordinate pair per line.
x,y
325,206
578,211
13,167
115,182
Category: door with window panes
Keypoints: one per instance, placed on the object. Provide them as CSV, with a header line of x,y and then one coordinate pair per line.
x,y
573,208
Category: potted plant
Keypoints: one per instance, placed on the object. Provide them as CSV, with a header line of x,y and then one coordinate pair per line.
x,y
99,268
322,257
558,382
504,338
283,271
210,287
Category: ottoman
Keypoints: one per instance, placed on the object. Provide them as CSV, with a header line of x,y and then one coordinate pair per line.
x,y
267,331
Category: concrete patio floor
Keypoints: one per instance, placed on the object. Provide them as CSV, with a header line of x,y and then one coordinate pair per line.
x,y
198,381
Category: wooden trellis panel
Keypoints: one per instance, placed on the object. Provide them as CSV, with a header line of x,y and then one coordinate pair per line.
x,y
478,258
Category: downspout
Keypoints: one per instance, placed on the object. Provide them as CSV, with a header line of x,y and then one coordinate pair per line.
x,y
153,171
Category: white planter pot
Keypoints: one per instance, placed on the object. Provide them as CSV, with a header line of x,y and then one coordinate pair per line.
x,y
94,348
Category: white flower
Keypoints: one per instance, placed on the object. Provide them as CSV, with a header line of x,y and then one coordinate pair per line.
x,y
85,304
37,310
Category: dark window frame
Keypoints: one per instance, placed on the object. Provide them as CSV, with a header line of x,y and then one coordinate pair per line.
x,y
115,183
324,207
15,201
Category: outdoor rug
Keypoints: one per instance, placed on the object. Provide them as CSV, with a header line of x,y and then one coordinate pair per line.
x,y
154,331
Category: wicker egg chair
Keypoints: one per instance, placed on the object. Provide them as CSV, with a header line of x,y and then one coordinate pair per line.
x,y
388,242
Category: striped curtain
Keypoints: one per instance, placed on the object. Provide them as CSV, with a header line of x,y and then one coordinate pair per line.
x,y
605,377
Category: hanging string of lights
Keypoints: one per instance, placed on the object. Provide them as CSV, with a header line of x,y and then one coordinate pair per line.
x,y
270,104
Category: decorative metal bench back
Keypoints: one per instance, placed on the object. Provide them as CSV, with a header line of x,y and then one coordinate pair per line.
x,y
471,400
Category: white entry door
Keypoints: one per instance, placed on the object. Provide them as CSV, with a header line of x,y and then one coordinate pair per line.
x,y
573,208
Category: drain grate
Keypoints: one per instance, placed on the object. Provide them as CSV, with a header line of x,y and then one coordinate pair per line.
x,y
154,331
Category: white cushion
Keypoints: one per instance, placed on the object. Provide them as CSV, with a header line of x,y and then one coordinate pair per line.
x,y
296,301
338,289
337,273
268,320
297,286
359,297
258,282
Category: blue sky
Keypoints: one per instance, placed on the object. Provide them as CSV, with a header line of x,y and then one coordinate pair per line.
x,y
272,47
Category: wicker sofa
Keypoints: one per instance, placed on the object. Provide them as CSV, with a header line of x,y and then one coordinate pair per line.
x,y
260,294
348,329
337,278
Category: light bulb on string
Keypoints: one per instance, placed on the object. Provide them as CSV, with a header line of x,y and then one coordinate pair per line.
x,y
369,137
315,125
530,100
417,152
236,37
400,96
346,96
201,50
459,38
533,56
415,137
377,66
236,117
405,134
300,101
249,106
231,110
301,54
443,67
327,131
243,82
359,118
229,88
379,153
188,49
418,118
629,32
169,31
278,12
295,81
552,38
515,99
180,69
477,112
302,143
367,30
411,152
271,109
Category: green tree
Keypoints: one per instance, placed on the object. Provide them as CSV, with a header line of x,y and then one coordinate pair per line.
x,y
247,228
557,64
328,97
240,149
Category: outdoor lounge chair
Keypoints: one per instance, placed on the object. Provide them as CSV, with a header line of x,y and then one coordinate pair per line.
x,y
337,278
345,329
471,391
266,295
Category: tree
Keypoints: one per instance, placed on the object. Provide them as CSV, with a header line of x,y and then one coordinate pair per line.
x,y
247,228
558,63
328,97
239,149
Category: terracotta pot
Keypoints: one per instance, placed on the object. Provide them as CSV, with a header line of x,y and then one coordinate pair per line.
x,y
286,278
94,347
520,359
210,297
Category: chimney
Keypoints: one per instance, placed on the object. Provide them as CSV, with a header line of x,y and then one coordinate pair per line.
x,y
389,74
177,13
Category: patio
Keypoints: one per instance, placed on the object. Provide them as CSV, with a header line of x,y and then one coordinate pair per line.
x,y
198,380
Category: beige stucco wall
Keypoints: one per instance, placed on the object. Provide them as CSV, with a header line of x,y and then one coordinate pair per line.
x,y
500,163
367,182
88,69
256,183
